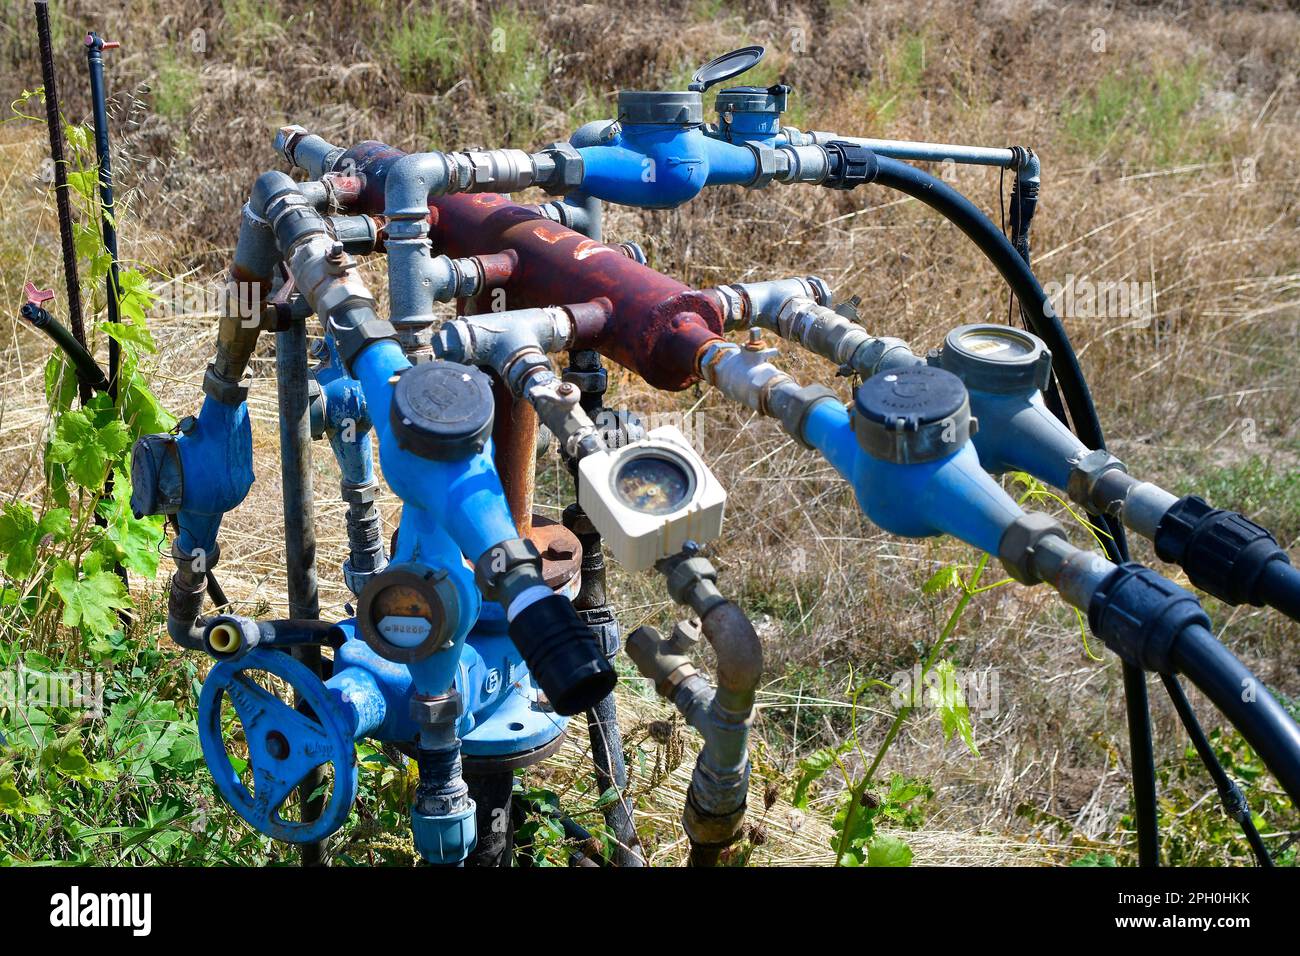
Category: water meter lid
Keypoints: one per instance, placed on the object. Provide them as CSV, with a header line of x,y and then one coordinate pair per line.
x,y
660,108
996,358
911,415
724,67
442,410
752,99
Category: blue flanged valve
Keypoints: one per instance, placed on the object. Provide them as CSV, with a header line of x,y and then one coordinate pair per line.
x,y
284,745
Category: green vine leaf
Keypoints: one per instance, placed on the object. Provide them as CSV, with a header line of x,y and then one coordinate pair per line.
x,y
85,446
888,850
92,598
952,705
946,578
21,535
134,542
812,768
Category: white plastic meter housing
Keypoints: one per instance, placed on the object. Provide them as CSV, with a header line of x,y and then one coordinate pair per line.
x,y
648,498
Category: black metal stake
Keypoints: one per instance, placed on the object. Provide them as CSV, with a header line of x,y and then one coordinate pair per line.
x,y
299,529
95,47
55,123
592,605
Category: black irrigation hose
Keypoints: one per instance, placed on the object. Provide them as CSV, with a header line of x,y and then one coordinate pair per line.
x,y
1234,802
1038,312
1244,700
89,375
1279,588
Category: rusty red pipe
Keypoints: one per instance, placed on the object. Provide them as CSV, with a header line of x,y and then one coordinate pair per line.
x,y
653,325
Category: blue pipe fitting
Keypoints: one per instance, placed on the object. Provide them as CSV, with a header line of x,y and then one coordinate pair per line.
x,y
941,488
445,840
215,457
661,166
468,489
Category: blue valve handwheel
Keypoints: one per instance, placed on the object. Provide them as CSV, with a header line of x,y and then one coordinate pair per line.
x,y
283,744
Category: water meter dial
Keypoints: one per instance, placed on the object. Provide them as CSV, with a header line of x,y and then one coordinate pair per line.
x,y
648,498
996,358
408,612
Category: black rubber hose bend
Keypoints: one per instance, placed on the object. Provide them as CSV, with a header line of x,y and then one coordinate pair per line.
x,y
981,230
88,370
1244,700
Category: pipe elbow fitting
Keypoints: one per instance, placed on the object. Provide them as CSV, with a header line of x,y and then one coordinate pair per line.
x,y
410,182
738,649
266,188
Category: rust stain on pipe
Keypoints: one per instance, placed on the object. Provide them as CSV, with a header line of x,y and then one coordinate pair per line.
x,y
655,325
514,440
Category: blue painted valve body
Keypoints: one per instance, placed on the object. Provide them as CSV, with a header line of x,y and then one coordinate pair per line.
x,y
453,510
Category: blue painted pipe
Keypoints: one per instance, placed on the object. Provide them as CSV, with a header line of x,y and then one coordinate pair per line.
x,y
951,495
217,462
657,166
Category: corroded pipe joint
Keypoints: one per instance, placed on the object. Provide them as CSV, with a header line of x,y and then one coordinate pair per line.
x,y
691,580
739,652
659,662
758,303
409,183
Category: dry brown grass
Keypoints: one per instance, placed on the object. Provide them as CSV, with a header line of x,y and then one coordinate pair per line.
x,y
835,597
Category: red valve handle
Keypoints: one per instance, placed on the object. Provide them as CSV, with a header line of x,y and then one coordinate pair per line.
x,y
35,296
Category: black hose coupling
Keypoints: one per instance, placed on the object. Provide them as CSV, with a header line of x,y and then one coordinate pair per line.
x,y
562,653
848,165
1139,615
1224,553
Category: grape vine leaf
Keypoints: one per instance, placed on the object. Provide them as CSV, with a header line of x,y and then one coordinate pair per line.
x,y
91,598
952,705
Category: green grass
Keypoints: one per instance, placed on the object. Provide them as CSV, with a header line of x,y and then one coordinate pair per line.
x,y
251,19
1259,487
177,87
1143,114
900,81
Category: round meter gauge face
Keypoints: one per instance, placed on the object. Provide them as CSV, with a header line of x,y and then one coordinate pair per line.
x,y
994,345
652,484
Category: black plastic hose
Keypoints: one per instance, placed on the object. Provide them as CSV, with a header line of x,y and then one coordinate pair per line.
x,y
1279,587
1244,700
981,230
88,371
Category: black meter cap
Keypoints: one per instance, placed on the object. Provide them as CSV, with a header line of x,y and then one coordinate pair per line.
x,y
442,410
724,67
911,415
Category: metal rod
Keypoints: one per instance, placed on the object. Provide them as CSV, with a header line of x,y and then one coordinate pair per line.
x,y
95,46
292,375
938,152
592,604
55,123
